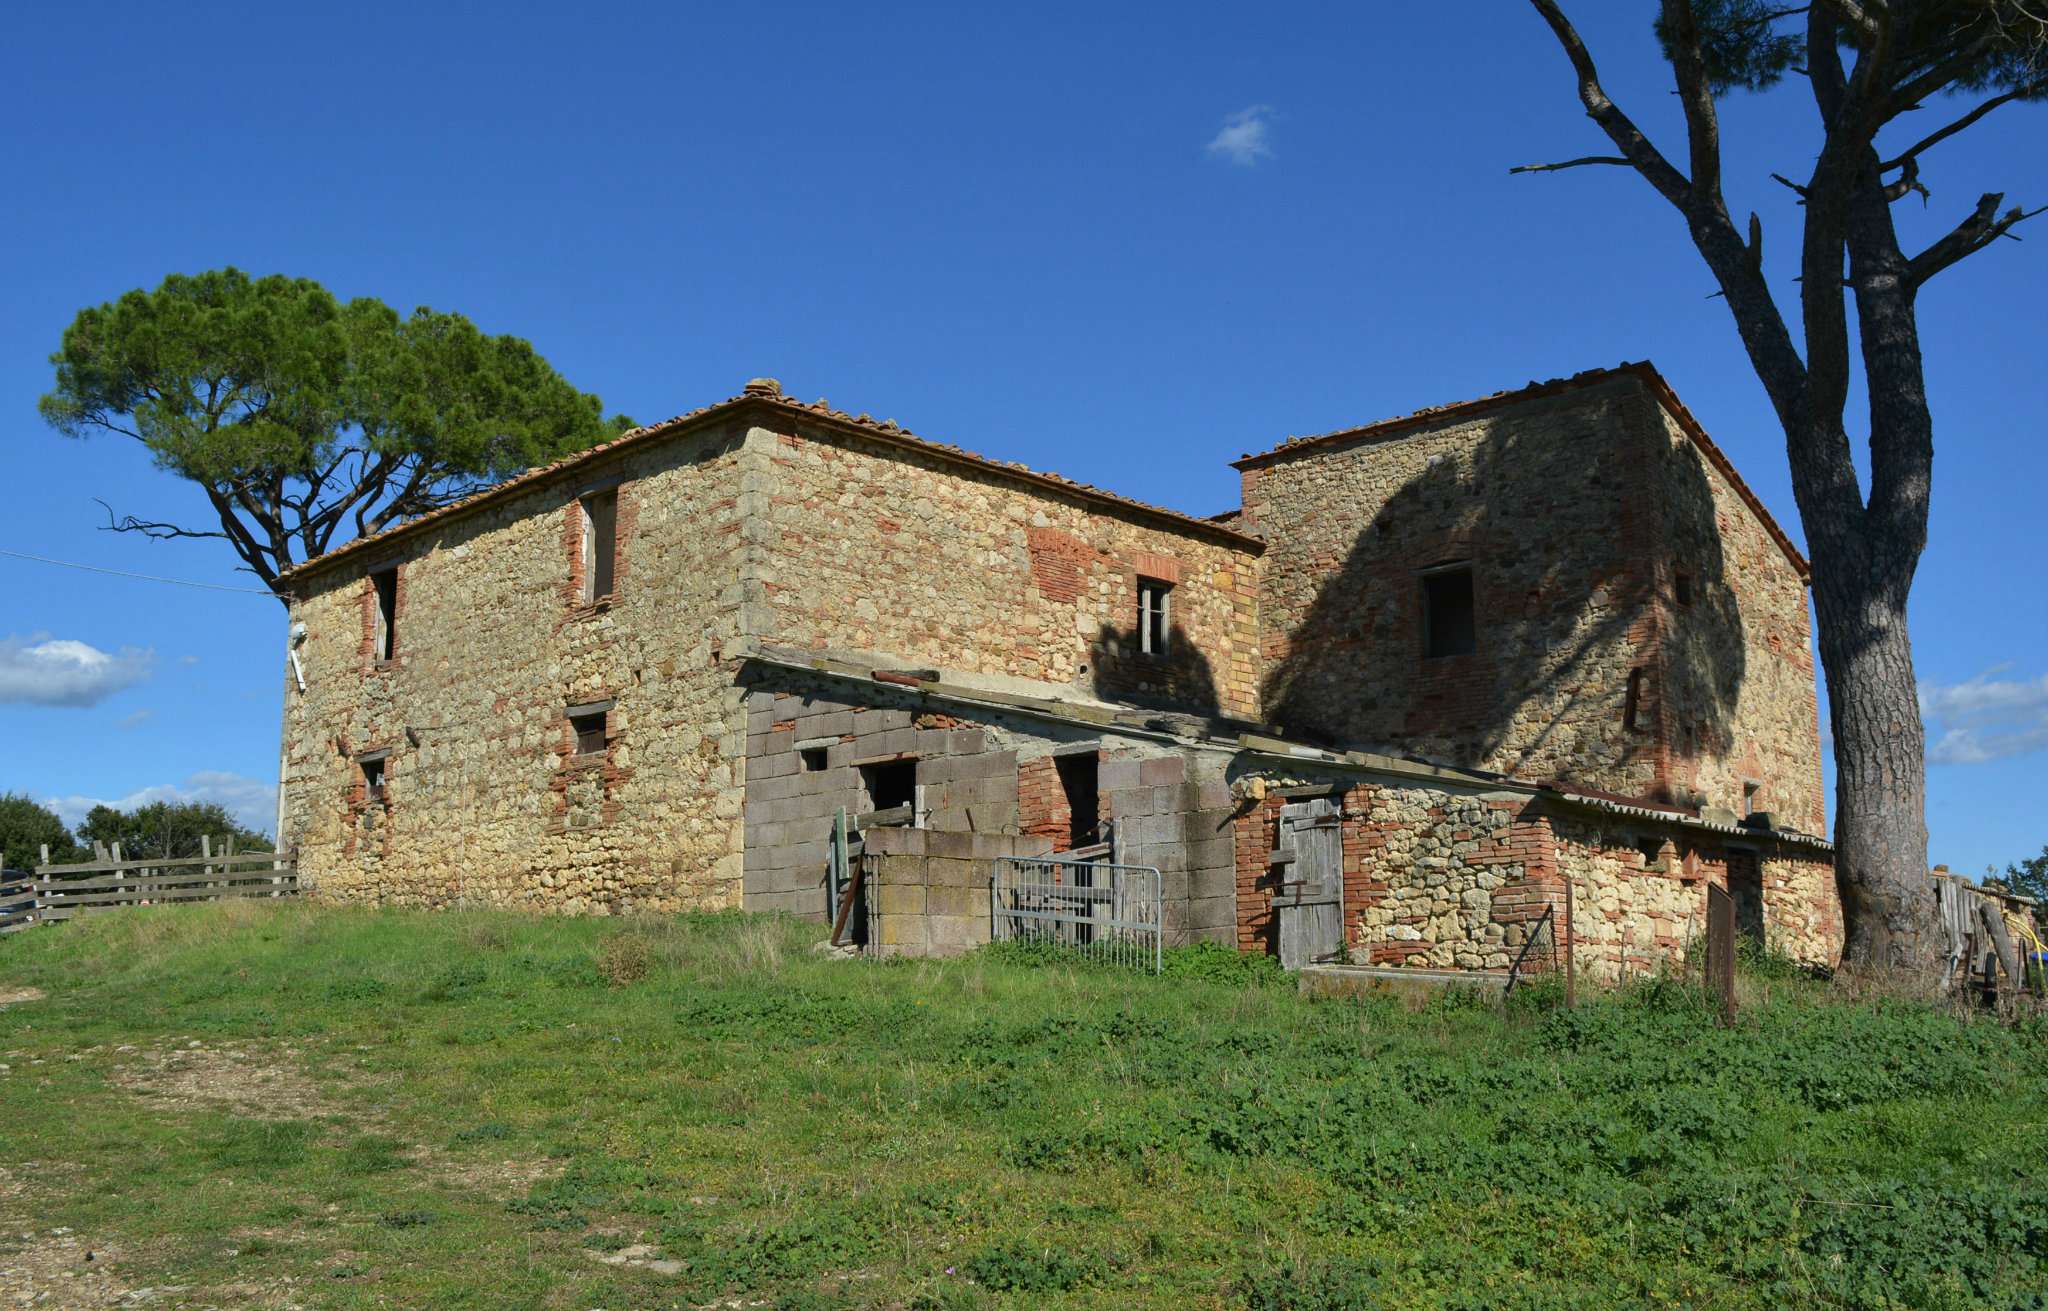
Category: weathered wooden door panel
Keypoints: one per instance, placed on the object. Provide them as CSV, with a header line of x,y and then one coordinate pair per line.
x,y
1310,903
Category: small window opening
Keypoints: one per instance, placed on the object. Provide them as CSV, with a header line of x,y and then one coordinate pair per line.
x,y
1652,849
1154,620
891,784
1751,792
811,758
600,544
1449,625
373,779
385,582
1078,782
1681,588
589,733
1632,709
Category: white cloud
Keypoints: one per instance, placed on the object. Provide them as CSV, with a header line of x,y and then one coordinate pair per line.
x,y
136,720
1243,137
252,802
39,670
1984,718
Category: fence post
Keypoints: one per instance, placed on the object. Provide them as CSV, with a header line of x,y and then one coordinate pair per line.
x,y
1721,949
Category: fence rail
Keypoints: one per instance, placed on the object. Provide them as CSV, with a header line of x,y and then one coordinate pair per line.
x,y
1113,913
66,890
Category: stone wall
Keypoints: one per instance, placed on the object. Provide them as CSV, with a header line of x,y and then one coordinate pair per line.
x,y
1550,502
873,548
486,799
1448,877
1640,629
1167,803
1739,707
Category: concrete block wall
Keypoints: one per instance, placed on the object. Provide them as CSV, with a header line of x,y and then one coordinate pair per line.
x,y
928,892
1165,818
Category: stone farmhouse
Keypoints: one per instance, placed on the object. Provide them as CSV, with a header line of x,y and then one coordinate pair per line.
x,y
1462,667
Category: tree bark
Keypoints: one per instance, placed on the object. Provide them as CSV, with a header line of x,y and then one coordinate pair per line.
x,y
1888,909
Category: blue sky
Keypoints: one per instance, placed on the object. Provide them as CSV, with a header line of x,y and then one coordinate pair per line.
x,y
1125,245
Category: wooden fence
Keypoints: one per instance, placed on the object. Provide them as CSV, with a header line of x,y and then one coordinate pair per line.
x,y
61,892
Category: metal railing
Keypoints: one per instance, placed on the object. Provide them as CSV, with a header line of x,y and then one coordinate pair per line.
x,y
1109,913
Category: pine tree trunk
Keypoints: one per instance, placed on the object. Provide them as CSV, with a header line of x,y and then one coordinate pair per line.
x,y
1888,908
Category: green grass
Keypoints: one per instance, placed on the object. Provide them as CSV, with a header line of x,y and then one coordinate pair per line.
x,y
471,1110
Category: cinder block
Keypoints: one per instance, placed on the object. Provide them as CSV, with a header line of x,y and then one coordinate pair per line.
x,y
950,845
967,741
1116,775
951,935
899,899
948,819
959,901
1213,795
823,722
773,764
992,817
1162,770
870,720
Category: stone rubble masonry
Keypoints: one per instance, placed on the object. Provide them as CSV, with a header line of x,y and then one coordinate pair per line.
x,y
486,802
1459,879
1642,630
1577,513
869,548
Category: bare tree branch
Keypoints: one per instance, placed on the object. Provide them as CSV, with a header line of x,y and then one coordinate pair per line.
x,y
1932,139
128,523
1570,163
1619,127
1984,226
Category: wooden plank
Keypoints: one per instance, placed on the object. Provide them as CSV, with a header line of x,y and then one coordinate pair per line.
x,y
196,878
136,898
174,862
1994,925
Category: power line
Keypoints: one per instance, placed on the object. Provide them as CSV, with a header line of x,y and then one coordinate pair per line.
x,y
147,578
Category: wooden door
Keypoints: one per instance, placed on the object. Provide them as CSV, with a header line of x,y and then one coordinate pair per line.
x,y
1310,903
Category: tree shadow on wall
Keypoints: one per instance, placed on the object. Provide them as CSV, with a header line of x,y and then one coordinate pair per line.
x,y
1180,680
1558,513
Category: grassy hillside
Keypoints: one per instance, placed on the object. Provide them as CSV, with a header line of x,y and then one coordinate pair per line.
x,y
279,1105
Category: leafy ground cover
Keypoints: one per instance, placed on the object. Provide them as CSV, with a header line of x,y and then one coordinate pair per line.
x,y
288,1105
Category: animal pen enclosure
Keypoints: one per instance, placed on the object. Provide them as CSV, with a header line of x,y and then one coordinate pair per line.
x,y
1110,913
66,890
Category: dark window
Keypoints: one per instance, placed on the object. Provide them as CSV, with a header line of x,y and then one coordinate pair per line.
x,y
1749,797
600,544
589,733
1078,783
891,784
1681,587
1632,708
373,779
812,758
1652,848
1448,624
385,583
1154,621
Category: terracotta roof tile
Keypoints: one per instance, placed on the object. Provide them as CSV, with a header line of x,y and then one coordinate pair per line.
x,y
886,430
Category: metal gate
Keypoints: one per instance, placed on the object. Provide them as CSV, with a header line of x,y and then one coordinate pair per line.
x,y
1111,913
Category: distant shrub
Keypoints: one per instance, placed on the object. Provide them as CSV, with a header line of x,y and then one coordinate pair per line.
x,y
623,959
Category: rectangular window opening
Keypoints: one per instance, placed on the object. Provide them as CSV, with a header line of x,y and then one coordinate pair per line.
x,y
1154,619
811,758
1449,623
589,733
1751,792
1681,588
385,583
1632,708
600,544
1078,783
373,779
889,785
